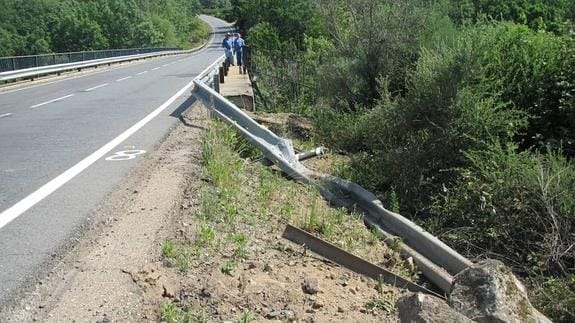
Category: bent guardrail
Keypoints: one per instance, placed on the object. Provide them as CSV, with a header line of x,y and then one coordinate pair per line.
x,y
437,261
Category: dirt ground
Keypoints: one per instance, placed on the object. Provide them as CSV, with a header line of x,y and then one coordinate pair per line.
x,y
119,273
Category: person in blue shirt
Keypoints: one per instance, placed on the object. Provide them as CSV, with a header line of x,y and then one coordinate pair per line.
x,y
227,44
239,44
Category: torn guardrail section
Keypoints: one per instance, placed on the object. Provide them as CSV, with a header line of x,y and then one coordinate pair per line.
x,y
280,152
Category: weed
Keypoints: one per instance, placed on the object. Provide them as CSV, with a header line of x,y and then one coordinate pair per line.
x,y
241,251
380,303
228,268
168,249
209,205
206,235
286,210
246,317
394,244
311,220
170,313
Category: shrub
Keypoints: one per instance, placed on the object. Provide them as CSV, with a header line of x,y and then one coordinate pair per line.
x,y
518,206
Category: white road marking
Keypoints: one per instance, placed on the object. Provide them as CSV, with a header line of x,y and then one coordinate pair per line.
x,y
55,100
22,206
123,78
96,87
5,115
165,65
144,72
155,68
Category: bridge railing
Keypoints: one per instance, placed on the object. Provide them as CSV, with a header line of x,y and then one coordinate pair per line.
x,y
14,63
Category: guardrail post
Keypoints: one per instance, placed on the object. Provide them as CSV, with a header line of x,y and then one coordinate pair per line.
x,y
217,79
221,74
13,63
36,61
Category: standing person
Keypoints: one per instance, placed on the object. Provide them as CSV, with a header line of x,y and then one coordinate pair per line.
x,y
239,44
227,44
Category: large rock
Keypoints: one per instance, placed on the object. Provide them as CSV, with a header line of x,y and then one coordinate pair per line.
x,y
489,292
422,308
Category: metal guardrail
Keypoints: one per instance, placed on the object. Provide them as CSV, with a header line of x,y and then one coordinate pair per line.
x,y
437,261
59,68
14,63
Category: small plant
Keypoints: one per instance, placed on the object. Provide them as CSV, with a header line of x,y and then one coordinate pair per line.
x,y
228,268
168,249
394,244
311,220
206,235
241,247
246,317
170,313
379,303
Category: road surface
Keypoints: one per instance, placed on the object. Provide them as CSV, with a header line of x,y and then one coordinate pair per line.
x,y
66,144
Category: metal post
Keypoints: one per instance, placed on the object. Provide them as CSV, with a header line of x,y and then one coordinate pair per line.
x,y
217,83
221,74
13,63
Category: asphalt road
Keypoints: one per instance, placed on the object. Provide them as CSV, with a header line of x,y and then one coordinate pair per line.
x,y
66,144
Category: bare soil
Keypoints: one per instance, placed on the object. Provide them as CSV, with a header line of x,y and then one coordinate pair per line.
x,y
117,272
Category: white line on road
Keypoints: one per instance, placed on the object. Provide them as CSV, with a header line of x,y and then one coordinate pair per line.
x,y
155,68
55,100
96,87
5,115
144,72
165,65
123,78
17,209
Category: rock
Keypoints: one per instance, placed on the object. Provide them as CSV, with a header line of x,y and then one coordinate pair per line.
x,y
489,292
268,268
252,265
340,309
317,304
170,290
311,285
425,308
281,315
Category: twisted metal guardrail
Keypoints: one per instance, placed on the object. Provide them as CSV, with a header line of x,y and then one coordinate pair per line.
x,y
437,261
13,63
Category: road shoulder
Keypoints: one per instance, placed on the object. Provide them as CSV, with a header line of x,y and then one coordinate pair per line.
x,y
97,279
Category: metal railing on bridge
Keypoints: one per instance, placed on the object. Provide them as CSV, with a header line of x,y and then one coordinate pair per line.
x,y
14,63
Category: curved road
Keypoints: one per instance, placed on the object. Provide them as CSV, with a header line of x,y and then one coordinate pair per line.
x,y
64,145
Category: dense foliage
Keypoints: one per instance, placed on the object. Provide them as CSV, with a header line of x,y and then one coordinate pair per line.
x,y
462,113
43,26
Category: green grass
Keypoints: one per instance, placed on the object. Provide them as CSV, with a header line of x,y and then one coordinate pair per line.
x,y
170,313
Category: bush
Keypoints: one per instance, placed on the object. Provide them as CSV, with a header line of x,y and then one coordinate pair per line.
x,y
419,140
519,207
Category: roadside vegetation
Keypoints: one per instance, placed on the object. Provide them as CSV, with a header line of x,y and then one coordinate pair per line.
x,y
237,217
460,114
